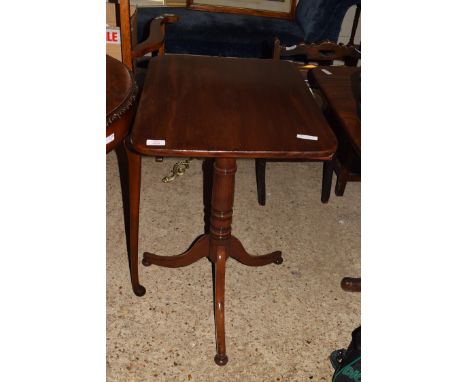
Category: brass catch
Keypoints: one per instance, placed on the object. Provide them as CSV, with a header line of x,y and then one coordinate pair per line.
x,y
178,170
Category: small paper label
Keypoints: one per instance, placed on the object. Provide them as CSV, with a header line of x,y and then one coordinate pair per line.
x,y
155,142
109,139
326,71
290,47
308,137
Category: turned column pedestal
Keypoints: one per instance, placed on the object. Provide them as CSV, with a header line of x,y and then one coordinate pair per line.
x,y
218,246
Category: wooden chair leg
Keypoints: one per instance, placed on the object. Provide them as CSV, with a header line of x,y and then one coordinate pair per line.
x,y
341,181
207,168
327,178
343,174
350,284
260,168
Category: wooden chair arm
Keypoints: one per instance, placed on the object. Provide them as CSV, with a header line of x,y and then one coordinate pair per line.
x,y
155,40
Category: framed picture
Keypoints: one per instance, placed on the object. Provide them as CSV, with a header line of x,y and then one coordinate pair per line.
x,y
270,8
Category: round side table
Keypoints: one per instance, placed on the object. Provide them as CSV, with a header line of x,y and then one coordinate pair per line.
x,y
121,91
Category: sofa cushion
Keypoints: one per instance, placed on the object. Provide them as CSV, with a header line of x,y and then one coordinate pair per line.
x,y
321,19
221,34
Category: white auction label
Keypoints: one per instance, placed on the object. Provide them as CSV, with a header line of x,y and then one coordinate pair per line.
x,y
155,142
308,137
326,71
109,139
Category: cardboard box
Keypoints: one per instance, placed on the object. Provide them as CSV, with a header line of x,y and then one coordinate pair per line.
x,y
113,40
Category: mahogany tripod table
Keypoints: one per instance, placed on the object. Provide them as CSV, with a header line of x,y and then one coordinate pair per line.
x,y
221,108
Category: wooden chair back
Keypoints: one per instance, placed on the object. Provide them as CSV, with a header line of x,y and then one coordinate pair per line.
x,y
324,53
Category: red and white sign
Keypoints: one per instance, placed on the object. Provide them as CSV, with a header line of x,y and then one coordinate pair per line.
x,y
113,35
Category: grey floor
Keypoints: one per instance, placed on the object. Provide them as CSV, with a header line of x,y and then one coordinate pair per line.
x,y
282,321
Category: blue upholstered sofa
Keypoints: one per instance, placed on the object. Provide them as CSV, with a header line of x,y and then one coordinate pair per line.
x,y
236,35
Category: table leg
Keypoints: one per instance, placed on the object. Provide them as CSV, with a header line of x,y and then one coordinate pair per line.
x,y
200,248
222,201
220,358
240,254
196,252
134,177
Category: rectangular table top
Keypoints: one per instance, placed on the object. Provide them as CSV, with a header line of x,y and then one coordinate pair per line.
x,y
204,106
340,89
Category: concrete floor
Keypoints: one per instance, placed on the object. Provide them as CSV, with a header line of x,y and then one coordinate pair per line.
x,y
282,322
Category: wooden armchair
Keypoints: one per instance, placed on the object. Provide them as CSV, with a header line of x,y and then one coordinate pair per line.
x,y
325,53
122,96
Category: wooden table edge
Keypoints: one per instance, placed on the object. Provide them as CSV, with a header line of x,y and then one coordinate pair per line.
x,y
160,152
